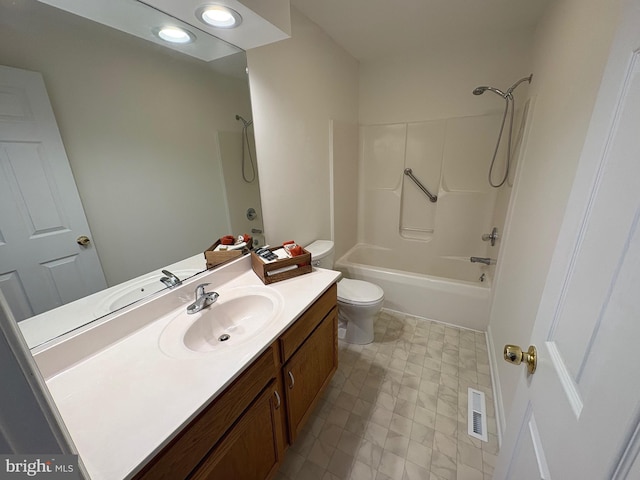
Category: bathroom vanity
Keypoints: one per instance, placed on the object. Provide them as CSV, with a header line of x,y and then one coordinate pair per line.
x,y
242,434
141,400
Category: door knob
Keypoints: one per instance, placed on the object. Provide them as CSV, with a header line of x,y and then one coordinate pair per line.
x,y
83,240
514,354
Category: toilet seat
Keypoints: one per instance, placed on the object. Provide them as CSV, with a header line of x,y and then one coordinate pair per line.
x,y
358,292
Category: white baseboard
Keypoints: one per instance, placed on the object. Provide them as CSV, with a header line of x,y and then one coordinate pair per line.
x,y
495,383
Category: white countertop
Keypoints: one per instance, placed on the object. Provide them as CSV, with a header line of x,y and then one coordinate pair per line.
x,y
123,403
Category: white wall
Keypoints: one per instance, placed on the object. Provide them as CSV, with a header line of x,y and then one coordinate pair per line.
x,y
437,83
345,185
569,52
298,86
138,123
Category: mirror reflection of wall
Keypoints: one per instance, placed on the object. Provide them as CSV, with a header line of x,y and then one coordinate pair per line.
x,y
139,125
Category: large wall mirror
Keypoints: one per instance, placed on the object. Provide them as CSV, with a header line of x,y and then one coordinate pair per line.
x,y
159,145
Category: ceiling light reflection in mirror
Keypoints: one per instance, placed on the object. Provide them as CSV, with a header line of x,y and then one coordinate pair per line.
x,y
219,16
141,20
174,34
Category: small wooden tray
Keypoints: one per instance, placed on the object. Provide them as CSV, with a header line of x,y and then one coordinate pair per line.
x,y
217,258
301,262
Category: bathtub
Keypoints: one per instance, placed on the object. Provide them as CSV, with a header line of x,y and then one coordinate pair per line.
x,y
445,289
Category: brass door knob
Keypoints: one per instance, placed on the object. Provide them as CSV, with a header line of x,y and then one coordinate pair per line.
x,y
83,240
514,354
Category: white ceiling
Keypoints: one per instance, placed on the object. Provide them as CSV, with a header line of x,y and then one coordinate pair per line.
x,y
372,29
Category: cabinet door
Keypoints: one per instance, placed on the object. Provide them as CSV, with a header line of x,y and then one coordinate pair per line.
x,y
308,372
252,449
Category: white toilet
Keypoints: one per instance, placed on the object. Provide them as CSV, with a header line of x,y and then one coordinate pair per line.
x,y
358,301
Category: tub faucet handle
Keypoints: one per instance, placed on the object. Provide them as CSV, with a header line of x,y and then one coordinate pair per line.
x,y
492,237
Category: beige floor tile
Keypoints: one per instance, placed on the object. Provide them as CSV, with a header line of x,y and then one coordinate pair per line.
x,y
414,471
349,443
330,435
362,471
468,473
375,434
391,464
320,453
337,416
425,417
401,425
369,453
292,463
396,443
443,466
340,464
445,445
419,454
381,416
396,409
470,456
309,471
422,434
405,408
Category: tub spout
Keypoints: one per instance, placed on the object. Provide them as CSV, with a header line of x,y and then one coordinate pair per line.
x,y
486,261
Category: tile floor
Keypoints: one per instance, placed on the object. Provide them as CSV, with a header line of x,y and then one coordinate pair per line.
x,y
397,409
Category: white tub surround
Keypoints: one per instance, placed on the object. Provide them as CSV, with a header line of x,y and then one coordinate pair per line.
x,y
123,399
445,289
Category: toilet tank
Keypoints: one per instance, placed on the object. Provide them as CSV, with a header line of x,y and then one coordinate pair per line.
x,y
321,253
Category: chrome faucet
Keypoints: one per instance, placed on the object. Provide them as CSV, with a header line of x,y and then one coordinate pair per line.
x,y
170,280
203,299
486,261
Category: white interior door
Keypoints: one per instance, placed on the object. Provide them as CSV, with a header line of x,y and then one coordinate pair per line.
x,y
578,415
41,217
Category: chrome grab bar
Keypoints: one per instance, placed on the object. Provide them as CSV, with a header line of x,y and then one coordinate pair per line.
x,y
409,173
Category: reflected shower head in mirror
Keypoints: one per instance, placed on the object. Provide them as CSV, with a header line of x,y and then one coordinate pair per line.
x,y
245,123
245,141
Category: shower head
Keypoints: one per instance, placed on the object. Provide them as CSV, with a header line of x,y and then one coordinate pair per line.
x,y
505,95
481,90
245,123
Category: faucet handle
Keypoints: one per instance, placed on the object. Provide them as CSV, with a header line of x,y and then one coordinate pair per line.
x,y
200,289
492,237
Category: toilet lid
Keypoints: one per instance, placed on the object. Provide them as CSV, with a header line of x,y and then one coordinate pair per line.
x,y
358,292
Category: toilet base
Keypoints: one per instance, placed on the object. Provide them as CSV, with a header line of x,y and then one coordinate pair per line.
x,y
357,322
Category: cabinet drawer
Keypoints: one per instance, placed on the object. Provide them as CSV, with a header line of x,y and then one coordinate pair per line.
x,y
178,458
291,340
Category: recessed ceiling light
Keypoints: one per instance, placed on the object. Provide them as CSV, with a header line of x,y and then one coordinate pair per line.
x,y
174,34
219,16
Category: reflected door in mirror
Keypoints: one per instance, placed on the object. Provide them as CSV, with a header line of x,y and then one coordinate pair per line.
x,y
42,265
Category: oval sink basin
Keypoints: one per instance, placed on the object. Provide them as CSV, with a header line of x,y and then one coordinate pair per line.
x,y
238,316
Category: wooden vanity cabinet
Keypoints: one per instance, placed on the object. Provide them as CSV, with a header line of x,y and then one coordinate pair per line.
x,y
243,433
195,442
309,350
308,372
251,450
